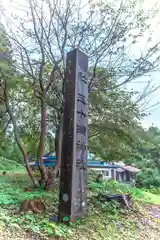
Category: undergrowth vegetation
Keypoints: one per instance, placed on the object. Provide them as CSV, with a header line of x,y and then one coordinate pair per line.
x,y
10,165
103,219
98,214
111,187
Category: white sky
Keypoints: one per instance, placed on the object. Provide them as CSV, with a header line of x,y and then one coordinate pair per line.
x,y
154,118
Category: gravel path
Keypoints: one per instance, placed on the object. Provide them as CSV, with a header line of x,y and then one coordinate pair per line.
x,y
148,225
18,235
154,212
14,232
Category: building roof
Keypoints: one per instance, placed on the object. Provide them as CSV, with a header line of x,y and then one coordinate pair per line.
x,y
101,166
130,169
99,169
120,170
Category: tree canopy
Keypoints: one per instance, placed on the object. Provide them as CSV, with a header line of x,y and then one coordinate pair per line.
x,y
32,73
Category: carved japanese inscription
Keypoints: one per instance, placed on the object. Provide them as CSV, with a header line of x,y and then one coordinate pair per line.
x,y
73,179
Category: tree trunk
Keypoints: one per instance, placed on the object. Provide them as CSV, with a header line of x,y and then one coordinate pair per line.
x,y
58,146
18,140
41,146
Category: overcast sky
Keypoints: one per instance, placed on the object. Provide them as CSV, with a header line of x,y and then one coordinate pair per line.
x,y
138,84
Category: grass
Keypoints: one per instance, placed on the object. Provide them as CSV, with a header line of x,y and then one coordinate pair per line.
x,y
104,221
152,198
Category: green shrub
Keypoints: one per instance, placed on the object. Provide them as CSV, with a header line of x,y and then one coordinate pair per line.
x,y
10,150
148,177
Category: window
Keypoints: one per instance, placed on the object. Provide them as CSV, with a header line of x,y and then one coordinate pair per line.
x,y
106,173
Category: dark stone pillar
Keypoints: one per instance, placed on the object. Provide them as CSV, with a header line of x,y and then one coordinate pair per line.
x,y
73,177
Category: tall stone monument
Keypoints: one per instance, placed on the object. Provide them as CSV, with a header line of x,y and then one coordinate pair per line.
x,y
73,178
